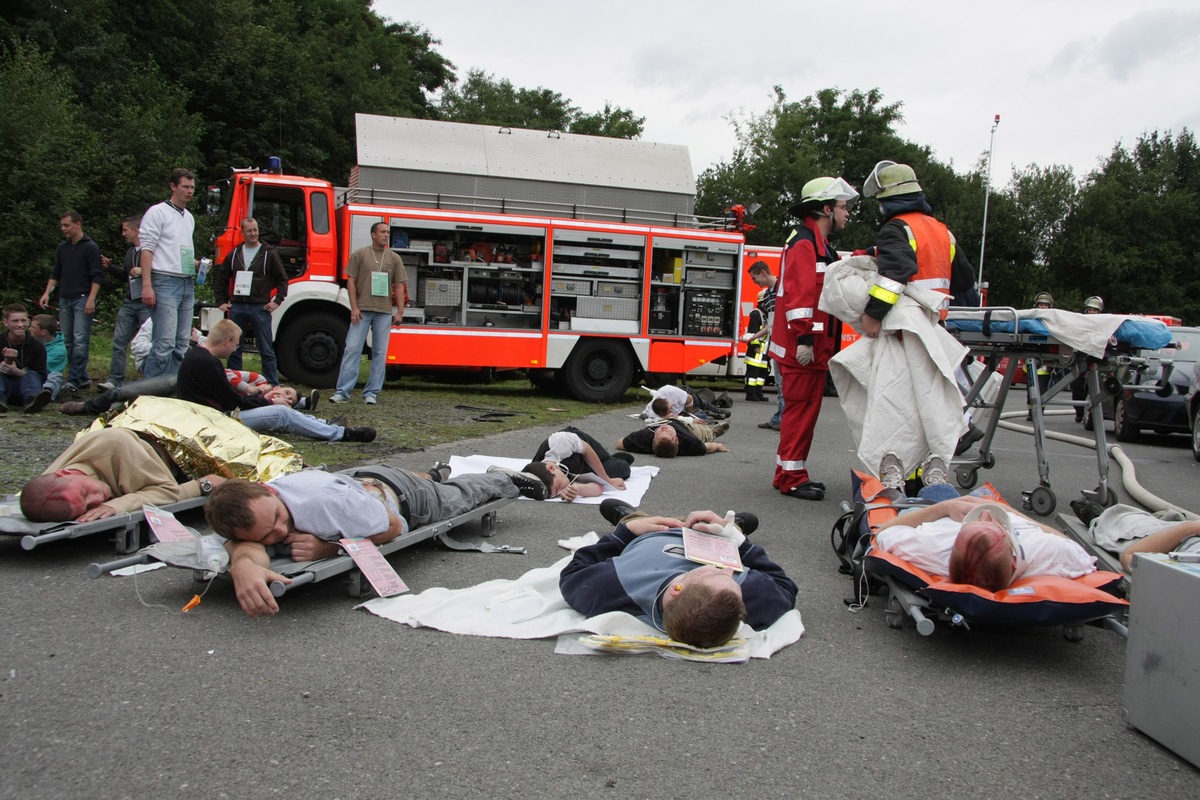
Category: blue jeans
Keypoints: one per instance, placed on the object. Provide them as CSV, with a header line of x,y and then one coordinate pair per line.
x,y
54,382
162,386
23,389
285,419
380,325
130,317
253,318
76,325
175,299
777,417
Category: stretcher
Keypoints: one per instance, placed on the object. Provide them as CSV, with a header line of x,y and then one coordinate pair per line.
x,y
305,572
127,529
995,334
924,598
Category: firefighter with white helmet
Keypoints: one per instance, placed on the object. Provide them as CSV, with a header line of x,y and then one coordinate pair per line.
x,y
1093,305
1043,300
914,249
1079,388
803,337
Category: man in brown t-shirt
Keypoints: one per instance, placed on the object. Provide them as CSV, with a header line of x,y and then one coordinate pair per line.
x,y
375,281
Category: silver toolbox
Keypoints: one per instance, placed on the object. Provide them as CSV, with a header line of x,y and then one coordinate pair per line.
x,y
575,286
703,258
615,289
607,308
717,278
1162,656
439,292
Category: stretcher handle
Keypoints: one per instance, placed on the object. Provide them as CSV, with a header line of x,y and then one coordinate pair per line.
x,y
30,541
279,588
95,570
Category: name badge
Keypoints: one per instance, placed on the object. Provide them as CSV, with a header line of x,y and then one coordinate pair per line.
x,y
241,283
379,284
187,261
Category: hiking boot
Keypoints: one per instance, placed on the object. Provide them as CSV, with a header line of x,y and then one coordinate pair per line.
x,y
40,401
339,420
614,510
805,491
719,428
528,485
73,408
891,473
439,472
626,457
933,471
361,433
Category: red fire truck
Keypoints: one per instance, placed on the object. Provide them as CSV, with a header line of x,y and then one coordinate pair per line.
x,y
576,258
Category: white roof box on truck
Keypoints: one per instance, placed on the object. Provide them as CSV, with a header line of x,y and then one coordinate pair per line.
x,y
512,170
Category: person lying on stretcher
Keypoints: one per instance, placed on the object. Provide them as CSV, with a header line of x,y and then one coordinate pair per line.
x,y
309,512
981,543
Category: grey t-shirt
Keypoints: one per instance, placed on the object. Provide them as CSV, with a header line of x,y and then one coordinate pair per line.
x,y
331,506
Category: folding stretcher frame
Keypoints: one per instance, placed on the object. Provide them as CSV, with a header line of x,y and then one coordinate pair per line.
x,y
302,572
126,528
990,345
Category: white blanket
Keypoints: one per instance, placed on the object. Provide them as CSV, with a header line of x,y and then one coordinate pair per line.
x,y
1087,333
532,607
635,485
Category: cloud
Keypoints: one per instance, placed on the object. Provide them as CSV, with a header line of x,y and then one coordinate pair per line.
x,y
1146,37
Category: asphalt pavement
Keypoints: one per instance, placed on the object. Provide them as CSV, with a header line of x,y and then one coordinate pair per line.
x,y
103,697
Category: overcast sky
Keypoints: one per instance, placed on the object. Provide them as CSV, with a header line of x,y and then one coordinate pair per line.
x,y
1069,79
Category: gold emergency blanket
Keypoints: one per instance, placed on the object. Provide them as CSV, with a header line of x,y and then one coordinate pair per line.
x,y
203,441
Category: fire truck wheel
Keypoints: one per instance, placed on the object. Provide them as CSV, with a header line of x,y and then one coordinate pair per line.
x,y
310,349
598,371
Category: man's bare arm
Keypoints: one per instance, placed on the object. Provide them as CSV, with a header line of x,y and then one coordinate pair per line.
x,y
1163,541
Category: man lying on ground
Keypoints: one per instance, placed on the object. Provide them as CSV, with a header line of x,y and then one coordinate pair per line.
x,y
565,461
309,511
680,436
640,568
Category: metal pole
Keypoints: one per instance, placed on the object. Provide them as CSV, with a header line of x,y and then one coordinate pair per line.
x,y
987,191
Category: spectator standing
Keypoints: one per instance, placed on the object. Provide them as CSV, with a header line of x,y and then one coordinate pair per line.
x,y
168,262
78,273
376,281
249,285
133,312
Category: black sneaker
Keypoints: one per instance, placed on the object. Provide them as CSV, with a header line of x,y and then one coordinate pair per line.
x,y
747,521
1087,510
805,491
39,402
528,485
614,510
439,472
358,434
623,456
313,398
969,438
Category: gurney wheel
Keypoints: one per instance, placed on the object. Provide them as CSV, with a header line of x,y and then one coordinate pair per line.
x,y
989,461
967,478
1042,501
893,615
1073,633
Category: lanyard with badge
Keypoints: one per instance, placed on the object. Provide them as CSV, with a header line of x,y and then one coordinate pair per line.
x,y
379,280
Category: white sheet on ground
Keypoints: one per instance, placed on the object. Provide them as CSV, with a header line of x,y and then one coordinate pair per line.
x,y
635,485
532,607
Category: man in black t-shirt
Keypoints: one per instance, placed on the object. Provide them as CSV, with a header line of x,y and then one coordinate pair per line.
x,y
673,437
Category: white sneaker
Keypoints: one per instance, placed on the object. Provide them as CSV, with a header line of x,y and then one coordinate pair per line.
x,y
339,398
369,400
891,472
933,471
106,386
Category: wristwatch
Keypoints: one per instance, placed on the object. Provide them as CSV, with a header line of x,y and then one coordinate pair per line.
x,y
206,487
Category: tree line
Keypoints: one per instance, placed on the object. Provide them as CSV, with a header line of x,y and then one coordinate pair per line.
x,y
103,99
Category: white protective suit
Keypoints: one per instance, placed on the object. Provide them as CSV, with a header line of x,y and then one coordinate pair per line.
x,y
898,391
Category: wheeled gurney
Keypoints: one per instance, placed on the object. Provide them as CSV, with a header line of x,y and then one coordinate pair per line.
x,y
999,333
126,528
302,572
925,598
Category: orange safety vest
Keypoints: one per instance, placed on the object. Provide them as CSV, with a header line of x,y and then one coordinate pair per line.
x,y
934,245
